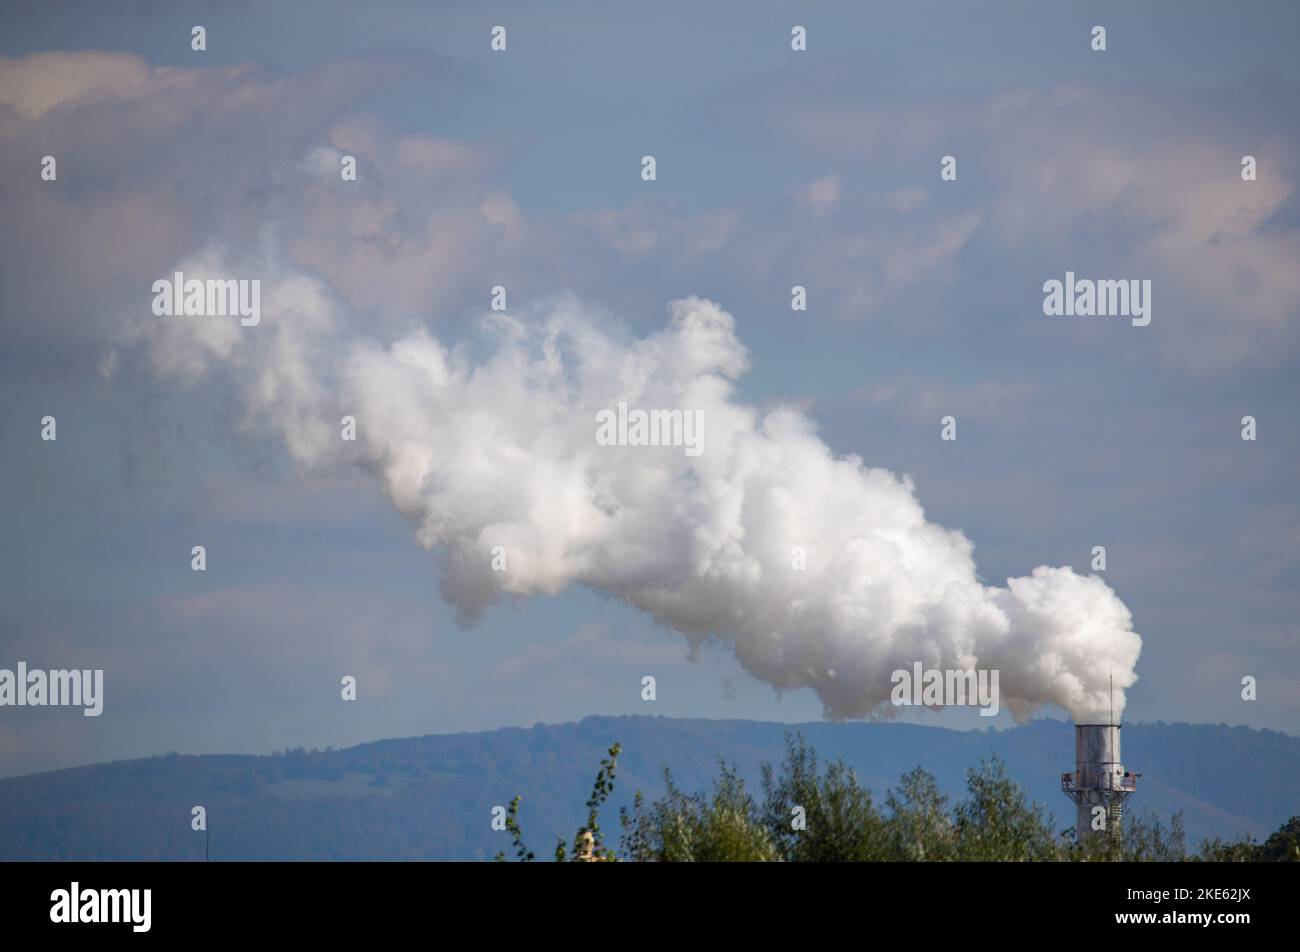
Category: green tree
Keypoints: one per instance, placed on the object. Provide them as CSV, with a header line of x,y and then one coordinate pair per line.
x,y
919,826
840,822
516,836
588,842
996,824
679,827
1146,839
1284,845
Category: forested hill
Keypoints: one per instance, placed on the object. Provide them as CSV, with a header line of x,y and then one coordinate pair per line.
x,y
432,797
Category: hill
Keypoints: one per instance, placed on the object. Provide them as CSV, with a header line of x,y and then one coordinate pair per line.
x,y
431,797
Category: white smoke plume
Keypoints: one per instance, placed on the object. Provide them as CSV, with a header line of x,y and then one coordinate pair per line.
x,y
499,450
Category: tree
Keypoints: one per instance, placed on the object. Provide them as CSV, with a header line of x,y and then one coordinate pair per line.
x,y
995,823
1284,845
1146,839
679,828
516,836
588,842
840,823
811,814
919,826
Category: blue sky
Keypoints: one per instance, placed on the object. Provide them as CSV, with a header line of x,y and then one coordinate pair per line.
x,y
522,168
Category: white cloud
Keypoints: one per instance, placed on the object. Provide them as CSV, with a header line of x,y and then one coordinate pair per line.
x,y
500,451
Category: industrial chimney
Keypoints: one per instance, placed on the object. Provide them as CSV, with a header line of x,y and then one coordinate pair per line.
x,y
1099,780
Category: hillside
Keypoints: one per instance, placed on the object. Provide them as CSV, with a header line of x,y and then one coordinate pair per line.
x,y
431,797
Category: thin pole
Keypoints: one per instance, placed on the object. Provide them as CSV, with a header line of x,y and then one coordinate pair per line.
x,y
207,842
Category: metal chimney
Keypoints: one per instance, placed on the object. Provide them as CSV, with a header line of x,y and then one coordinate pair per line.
x,y
1099,780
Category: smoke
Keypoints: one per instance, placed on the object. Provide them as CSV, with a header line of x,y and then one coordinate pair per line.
x,y
820,571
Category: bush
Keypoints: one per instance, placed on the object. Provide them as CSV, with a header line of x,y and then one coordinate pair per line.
x,y
811,814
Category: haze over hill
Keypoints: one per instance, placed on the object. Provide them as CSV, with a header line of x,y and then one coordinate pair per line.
x,y
431,797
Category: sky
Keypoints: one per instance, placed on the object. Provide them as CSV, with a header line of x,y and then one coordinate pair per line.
x,y
523,169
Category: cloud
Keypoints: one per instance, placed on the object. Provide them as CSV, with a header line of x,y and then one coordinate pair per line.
x,y
641,228
864,270
1135,184
1170,198
585,655
239,498
34,84
160,154
496,456
822,195
989,401
279,626
907,200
